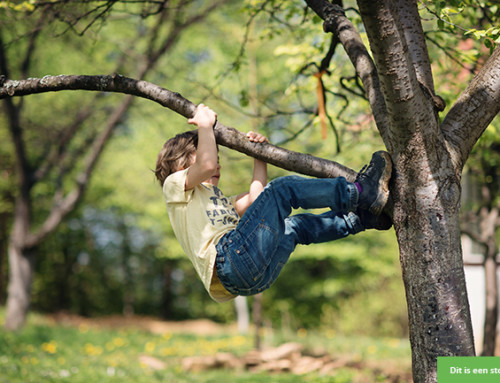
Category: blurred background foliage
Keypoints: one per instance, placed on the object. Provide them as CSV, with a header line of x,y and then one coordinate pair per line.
x,y
254,63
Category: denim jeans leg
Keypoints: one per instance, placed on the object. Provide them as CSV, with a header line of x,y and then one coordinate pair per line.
x,y
251,257
313,193
318,228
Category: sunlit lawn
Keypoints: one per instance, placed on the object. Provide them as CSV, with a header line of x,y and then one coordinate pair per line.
x,y
44,352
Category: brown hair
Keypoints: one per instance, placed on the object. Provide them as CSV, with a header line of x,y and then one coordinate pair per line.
x,y
176,154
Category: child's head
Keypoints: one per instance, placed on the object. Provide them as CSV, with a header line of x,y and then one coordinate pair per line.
x,y
176,154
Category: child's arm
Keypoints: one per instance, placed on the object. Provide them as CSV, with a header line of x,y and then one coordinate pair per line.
x,y
259,179
206,161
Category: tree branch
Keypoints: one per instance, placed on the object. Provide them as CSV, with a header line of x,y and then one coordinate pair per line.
x,y
415,39
417,49
286,159
469,225
474,110
405,97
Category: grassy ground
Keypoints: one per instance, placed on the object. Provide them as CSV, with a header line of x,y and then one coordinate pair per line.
x,y
48,351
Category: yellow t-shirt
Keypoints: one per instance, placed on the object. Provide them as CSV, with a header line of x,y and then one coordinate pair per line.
x,y
200,217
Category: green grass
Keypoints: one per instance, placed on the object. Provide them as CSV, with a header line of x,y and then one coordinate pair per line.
x,y
46,352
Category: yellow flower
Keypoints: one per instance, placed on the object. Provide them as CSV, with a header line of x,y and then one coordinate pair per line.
x,y
371,349
92,350
394,343
118,342
49,347
330,334
302,333
166,351
149,347
167,335
239,340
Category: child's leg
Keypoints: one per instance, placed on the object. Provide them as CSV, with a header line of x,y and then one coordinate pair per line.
x,y
305,229
251,257
295,192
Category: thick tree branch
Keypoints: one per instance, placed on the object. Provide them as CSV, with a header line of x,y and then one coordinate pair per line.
x,y
415,39
337,23
404,95
417,49
286,159
474,110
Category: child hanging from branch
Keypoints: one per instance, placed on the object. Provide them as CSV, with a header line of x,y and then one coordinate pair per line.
x,y
238,245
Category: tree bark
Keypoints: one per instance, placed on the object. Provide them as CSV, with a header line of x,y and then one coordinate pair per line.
x,y
19,289
426,196
473,111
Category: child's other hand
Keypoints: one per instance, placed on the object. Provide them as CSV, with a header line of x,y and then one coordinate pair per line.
x,y
204,117
256,137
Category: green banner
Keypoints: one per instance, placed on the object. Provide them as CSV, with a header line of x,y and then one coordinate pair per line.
x,y
480,369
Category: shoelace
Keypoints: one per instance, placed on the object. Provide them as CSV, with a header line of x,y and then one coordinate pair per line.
x,y
362,172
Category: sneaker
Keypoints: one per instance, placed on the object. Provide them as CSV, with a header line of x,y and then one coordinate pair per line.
x,y
374,181
372,221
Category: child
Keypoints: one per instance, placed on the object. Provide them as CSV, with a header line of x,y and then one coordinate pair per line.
x,y
239,245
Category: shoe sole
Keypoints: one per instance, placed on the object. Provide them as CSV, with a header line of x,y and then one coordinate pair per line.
x,y
383,184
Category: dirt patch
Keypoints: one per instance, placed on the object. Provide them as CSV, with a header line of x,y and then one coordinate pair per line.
x,y
153,325
295,359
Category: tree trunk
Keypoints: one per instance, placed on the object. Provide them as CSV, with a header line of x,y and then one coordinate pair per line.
x,y
20,277
257,320
167,307
426,219
242,314
3,255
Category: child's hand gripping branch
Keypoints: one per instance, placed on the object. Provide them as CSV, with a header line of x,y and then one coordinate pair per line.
x,y
238,245
259,179
205,162
206,167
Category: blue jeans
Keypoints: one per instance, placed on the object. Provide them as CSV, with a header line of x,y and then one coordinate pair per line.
x,y
250,257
